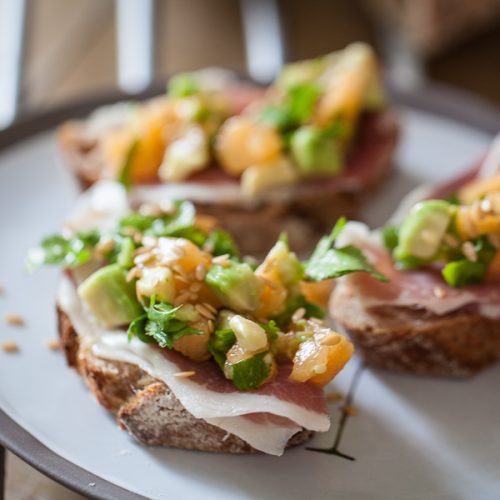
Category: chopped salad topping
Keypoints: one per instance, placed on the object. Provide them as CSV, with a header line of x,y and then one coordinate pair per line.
x,y
461,235
175,281
301,127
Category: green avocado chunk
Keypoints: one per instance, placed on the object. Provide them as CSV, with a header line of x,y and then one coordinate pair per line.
x,y
423,229
315,152
235,285
110,297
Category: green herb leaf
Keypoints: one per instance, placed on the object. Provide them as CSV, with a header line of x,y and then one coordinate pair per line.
x,y
328,262
220,242
58,250
390,237
464,272
296,302
161,325
271,328
183,85
126,169
220,342
250,373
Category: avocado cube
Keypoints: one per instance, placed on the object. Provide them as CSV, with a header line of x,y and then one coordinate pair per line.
x,y
235,285
110,297
314,152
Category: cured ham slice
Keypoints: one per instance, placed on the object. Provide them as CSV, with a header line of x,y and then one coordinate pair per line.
x,y
418,289
265,418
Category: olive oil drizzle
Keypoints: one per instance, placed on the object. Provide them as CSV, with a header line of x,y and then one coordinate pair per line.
x,y
334,450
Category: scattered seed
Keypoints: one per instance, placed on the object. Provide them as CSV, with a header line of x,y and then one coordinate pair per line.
x,y
334,396
14,319
143,258
208,247
195,287
200,272
222,260
167,206
133,273
2,290
451,241
469,251
105,246
210,325
439,292
53,344
206,313
298,314
150,209
210,307
186,374
350,410
9,346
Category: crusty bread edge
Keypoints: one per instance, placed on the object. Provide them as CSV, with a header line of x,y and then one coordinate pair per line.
x,y
145,406
413,340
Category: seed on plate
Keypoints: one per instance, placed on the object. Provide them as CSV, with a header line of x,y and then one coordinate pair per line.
x,y
451,241
334,396
222,260
195,287
2,290
350,410
105,246
14,319
210,325
9,346
185,374
53,344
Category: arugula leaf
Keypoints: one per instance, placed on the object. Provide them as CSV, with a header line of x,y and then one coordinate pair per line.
x,y
250,373
328,262
126,169
58,250
220,342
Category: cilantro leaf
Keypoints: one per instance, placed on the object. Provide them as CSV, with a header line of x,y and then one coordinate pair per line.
x,y
250,373
221,243
161,324
329,262
59,250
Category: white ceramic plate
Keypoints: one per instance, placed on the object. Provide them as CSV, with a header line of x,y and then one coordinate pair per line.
x,y
413,437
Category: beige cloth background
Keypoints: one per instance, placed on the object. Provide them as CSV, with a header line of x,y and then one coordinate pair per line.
x,y
71,51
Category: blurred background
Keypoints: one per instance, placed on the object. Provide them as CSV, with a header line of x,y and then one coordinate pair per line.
x,y
54,52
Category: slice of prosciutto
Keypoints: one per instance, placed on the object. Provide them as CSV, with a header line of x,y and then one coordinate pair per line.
x,y
265,418
417,289
422,288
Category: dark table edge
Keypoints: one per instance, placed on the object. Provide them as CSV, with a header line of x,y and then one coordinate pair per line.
x,y
436,99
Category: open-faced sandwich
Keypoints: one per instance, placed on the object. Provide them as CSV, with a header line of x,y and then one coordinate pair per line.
x,y
293,157
189,344
440,312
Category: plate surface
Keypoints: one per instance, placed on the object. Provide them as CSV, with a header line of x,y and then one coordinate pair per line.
x,y
413,437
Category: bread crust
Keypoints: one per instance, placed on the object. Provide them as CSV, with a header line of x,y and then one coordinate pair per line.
x,y
402,339
145,406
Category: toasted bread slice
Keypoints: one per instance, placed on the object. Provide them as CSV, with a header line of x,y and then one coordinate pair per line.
x,y
145,406
402,339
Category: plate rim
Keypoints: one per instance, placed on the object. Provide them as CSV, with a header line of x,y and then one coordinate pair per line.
x,y
433,98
